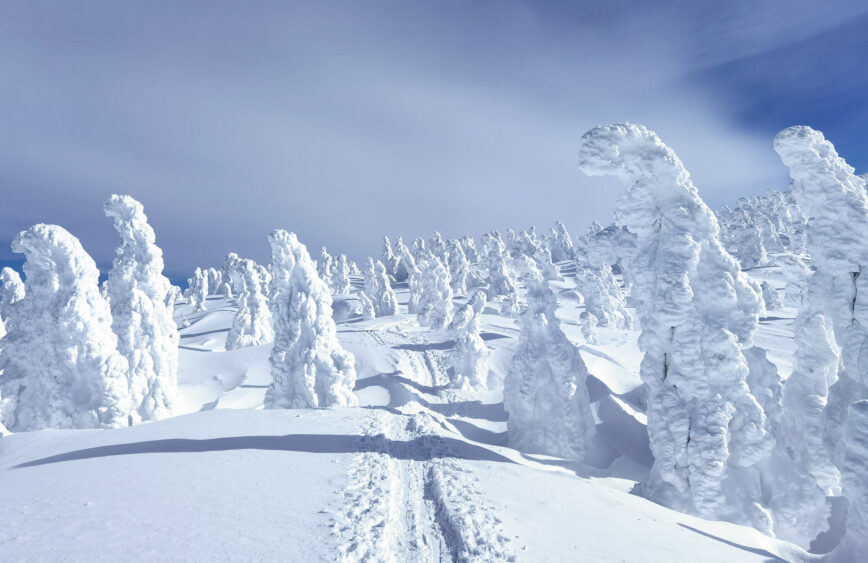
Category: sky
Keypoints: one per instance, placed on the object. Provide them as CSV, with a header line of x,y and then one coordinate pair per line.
x,y
345,121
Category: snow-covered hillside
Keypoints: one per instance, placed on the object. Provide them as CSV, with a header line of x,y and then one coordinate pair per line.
x,y
420,473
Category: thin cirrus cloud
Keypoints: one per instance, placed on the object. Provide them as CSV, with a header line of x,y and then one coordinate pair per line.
x,y
347,121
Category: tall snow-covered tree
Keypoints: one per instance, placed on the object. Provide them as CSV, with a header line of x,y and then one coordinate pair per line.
x,y
401,250
561,245
251,325
544,391
341,276
226,288
324,266
309,366
470,357
458,267
199,289
469,247
11,291
835,201
696,311
379,290
435,296
215,278
61,367
390,259
501,278
141,319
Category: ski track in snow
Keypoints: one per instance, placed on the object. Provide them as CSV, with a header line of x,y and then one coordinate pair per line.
x,y
422,505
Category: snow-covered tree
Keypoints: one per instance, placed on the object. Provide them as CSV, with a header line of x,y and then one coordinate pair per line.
x,y
61,367
561,245
544,391
854,545
226,276
470,357
501,279
835,200
797,274
435,297
437,246
341,276
309,366
589,327
324,266
172,297
770,297
401,250
142,321
11,291
696,311
414,279
215,278
458,267
378,289
251,325
603,297
199,289
390,259
468,245
366,306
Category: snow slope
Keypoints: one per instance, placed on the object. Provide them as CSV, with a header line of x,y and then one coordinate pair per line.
x,y
419,472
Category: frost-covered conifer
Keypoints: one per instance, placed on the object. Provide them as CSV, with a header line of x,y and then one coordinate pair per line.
x,y
390,260
401,250
324,266
603,297
854,476
420,249
696,309
226,276
11,291
366,306
561,245
309,366
199,290
797,274
354,269
172,297
468,245
544,391
378,289
589,327
341,276
770,297
435,297
501,279
61,367
142,321
437,247
835,200
470,357
251,325
215,278
458,268
414,280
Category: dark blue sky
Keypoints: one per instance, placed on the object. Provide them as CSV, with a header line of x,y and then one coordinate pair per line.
x,y
344,121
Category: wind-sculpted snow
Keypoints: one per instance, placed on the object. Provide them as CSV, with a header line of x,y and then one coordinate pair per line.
x,y
544,391
470,357
835,201
251,325
309,366
378,289
854,476
434,308
141,319
11,291
61,364
696,310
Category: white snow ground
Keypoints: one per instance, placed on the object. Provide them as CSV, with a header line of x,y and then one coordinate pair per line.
x,y
418,473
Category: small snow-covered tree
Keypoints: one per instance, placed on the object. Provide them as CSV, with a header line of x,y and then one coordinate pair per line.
x,y
854,544
172,297
251,325
11,291
401,250
379,290
61,367
797,274
226,276
390,260
199,290
366,306
435,297
589,327
603,297
458,268
142,321
561,244
469,247
341,276
834,198
309,366
696,311
501,279
414,280
437,247
324,266
770,297
215,278
544,392
470,357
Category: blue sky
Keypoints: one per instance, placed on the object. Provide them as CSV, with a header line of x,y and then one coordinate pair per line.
x,y
344,121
